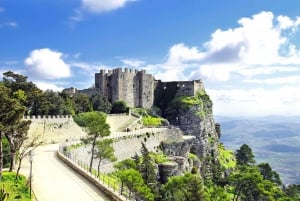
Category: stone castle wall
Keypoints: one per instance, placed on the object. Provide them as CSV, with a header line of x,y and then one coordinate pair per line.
x,y
137,88
132,86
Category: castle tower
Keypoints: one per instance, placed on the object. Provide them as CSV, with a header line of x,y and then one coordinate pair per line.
x,y
137,88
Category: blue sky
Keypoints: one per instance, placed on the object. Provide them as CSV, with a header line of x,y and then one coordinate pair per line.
x,y
246,52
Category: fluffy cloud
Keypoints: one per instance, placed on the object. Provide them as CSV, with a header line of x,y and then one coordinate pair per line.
x,y
234,62
257,46
48,86
256,102
47,64
133,62
96,6
291,80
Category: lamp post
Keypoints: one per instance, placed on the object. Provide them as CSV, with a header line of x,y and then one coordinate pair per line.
x,y
30,174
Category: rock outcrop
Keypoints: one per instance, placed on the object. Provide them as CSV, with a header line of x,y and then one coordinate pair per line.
x,y
193,115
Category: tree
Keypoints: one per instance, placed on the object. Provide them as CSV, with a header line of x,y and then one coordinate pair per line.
x,y
188,187
104,151
215,192
96,127
49,103
16,136
147,167
27,147
100,103
244,155
119,107
293,191
248,184
11,112
126,164
268,174
21,89
133,180
81,103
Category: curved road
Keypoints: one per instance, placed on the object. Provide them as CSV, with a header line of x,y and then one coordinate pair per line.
x,y
54,181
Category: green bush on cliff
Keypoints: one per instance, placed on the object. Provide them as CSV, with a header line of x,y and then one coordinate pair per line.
x,y
147,118
152,121
200,100
226,158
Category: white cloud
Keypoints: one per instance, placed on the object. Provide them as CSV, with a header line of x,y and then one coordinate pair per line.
x,y
291,80
260,50
48,86
100,6
86,67
47,64
133,62
250,72
256,47
2,10
256,102
8,24
180,53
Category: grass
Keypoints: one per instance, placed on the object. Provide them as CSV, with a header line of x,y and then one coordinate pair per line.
x,y
17,190
147,118
152,121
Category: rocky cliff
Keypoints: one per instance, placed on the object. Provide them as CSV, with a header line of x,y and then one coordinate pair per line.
x,y
193,114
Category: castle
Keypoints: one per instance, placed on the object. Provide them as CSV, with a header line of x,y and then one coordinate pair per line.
x,y
138,88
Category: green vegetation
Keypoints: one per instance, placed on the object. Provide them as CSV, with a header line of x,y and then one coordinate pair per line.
x,y
104,152
14,191
186,187
181,104
148,118
119,107
158,158
96,127
226,158
152,121
244,155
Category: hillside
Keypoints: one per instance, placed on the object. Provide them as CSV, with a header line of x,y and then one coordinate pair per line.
x,y
275,140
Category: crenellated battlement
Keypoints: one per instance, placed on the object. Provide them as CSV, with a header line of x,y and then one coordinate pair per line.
x,y
138,88
47,117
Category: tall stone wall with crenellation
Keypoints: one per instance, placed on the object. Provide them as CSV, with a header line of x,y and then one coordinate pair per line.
x,y
132,86
138,88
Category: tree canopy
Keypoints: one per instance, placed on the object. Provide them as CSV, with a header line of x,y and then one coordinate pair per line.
x,y
96,127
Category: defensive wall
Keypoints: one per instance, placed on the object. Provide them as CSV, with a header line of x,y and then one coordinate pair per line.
x,y
132,86
54,129
128,144
138,88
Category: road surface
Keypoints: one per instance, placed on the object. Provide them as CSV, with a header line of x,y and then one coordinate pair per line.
x,y
54,181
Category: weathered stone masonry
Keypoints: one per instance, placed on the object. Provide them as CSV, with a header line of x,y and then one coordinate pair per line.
x,y
137,88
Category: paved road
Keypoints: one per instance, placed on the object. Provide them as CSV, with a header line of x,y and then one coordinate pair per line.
x,y
54,181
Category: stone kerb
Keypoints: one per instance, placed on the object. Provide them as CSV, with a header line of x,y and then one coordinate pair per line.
x,y
105,189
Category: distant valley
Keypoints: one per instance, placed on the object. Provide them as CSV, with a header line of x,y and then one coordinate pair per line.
x,y
273,139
